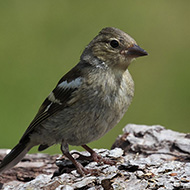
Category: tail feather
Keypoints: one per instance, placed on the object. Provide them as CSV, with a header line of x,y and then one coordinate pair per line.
x,y
15,155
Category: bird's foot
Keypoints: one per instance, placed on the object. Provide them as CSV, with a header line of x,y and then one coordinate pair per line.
x,y
99,159
94,157
85,171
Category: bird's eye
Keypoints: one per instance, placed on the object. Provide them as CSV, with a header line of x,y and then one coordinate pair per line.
x,y
114,43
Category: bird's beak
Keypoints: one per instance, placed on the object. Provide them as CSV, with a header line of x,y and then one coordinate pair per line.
x,y
136,51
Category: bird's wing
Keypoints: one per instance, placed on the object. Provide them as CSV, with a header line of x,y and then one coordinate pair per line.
x,y
58,99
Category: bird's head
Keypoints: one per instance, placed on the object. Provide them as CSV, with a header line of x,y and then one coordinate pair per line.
x,y
115,48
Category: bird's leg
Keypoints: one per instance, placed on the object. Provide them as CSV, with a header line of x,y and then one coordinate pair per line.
x,y
80,169
96,157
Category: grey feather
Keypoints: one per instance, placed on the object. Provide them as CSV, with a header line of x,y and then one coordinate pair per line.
x,y
15,155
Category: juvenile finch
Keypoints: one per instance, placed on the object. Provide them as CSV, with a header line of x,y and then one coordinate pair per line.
x,y
87,102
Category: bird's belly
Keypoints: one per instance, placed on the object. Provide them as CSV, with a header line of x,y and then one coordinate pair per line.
x,y
81,124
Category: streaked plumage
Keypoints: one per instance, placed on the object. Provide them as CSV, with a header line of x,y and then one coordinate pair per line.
x,y
87,102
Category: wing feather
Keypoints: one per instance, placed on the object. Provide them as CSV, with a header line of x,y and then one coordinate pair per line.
x,y
57,100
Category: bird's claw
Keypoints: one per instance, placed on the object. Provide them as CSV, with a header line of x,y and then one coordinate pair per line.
x,y
95,157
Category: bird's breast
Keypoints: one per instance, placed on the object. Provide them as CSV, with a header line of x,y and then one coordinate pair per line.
x,y
99,107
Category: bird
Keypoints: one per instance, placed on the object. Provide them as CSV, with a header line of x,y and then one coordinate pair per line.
x,y
87,102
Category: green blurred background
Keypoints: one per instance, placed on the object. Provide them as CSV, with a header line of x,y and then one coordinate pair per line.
x,y
40,40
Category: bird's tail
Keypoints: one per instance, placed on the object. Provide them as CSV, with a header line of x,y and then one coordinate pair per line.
x,y
15,155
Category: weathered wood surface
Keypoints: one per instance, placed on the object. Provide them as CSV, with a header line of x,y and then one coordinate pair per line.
x,y
148,157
